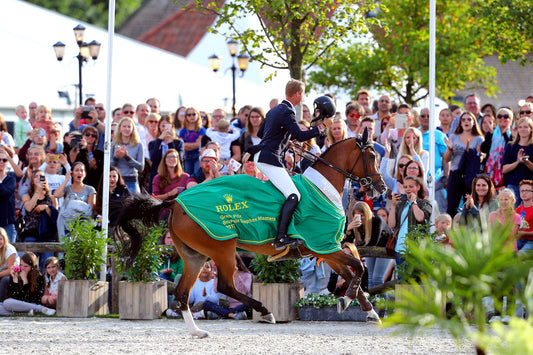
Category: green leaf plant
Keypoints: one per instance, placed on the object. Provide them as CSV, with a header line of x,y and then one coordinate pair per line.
x,y
285,271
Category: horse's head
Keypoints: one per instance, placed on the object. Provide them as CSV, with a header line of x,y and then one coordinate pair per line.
x,y
365,166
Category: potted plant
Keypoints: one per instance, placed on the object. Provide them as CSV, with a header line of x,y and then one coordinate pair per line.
x,y
82,294
277,286
323,307
143,295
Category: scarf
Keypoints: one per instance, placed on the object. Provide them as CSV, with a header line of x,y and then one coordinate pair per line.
x,y
494,163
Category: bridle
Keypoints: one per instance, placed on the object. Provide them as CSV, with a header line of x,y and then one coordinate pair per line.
x,y
366,182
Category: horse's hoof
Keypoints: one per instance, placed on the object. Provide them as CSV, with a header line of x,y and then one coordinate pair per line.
x,y
373,317
342,304
268,318
201,334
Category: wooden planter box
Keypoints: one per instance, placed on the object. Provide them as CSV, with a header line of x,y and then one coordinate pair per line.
x,y
278,299
82,298
142,300
329,313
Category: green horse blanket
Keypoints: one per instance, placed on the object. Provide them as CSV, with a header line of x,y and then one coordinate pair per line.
x,y
247,208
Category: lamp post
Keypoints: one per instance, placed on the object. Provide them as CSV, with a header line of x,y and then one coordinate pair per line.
x,y
242,63
87,50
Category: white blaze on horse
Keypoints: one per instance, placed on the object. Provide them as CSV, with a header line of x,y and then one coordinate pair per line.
x,y
214,218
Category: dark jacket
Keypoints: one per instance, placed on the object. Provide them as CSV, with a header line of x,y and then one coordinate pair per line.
x,y
276,131
423,204
380,233
7,200
22,292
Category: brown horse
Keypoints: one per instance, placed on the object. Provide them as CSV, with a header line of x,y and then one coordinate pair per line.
x,y
352,158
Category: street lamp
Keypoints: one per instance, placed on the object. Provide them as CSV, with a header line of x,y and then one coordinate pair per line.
x,y
242,64
87,50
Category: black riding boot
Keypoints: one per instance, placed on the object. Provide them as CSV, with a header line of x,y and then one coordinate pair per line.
x,y
285,217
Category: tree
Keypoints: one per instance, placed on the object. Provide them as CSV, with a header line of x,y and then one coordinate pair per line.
x,y
293,34
94,12
398,62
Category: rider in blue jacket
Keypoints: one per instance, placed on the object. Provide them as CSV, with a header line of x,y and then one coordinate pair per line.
x,y
275,132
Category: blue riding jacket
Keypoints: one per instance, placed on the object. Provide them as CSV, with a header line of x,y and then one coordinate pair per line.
x,y
275,132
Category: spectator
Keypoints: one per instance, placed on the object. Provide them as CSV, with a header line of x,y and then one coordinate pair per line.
x,y
79,198
209,169
8,259
506,213
95,166
456,111
118,192
44,120
166,139
393,131
8,184
192,133
488,110
354,114
383,212
206,119
368,229
494,146
408,211
170,180
336,286
22,126
466,140
249,137
525,237
128,153
336,133
443,223
36,158
384,109
526,110
240,122
445,118
25,289
412,145
32,112
472,105
117,115
179,119
315,275
394,183
155,105
204,289
53,167
13,167
480,203
223,137
516,165
488,125
6,140
151,127
172,266
52,277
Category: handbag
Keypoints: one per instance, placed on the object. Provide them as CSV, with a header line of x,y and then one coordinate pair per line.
x,y
391,243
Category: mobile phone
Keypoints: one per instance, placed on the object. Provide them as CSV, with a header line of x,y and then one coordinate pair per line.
x,y
234,165
401,121
75,141
16,268
86,110
167,127
403,197
357,217
41,178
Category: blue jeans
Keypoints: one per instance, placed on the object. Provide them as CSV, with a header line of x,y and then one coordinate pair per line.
x,y
191,163
11,232
376,270
223,311
133,187
524,246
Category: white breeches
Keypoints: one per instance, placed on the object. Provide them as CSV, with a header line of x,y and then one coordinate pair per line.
x,y
279,177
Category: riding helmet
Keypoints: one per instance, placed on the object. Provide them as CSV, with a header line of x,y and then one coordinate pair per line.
x,y
325,107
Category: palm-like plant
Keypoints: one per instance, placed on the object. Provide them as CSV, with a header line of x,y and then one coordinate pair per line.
x,y
480,264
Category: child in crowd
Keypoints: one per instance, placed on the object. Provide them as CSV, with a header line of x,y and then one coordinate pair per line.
x,y
506,212
443,223
192,134
44,120
52,277
525,210
224,138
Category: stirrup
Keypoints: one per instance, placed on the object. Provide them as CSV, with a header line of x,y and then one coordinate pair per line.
x,y
283,242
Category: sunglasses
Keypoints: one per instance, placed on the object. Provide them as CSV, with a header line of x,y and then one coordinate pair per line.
x,y
354,115
94,135
503,116
128,112
4,160
99,108
424,116
525,112
191,114
465,119
152,121
401,166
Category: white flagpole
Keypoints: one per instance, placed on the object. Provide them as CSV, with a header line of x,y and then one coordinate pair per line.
x,y
107,143
432,116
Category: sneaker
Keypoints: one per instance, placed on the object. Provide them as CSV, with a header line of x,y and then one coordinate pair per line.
x,y
241,316
212,315
198,315
48,311
31,313
495,319
197,307
172,314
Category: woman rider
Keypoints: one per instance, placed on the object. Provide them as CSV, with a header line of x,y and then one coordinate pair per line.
x,y
275,132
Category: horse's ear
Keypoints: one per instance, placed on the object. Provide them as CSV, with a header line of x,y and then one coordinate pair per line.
x,y
364,139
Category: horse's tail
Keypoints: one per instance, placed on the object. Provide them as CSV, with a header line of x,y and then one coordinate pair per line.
x,y
137,214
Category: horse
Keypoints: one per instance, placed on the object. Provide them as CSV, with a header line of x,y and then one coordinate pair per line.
x,y
353,158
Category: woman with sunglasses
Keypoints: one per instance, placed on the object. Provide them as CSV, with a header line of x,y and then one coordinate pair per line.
x,y
516,165
92,157
526,110
494,145
192,133
466,138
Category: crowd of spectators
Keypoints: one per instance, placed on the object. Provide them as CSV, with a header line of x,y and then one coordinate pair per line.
x,y
49,175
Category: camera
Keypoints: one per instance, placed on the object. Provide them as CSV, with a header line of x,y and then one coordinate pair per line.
x,y
75,141
16,268
41,178
86,110
403,197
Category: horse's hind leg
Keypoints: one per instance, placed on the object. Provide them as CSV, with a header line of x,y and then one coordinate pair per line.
x,y
226,286
192,264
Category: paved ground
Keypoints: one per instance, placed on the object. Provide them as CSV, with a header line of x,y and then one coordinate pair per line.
x,y
41,335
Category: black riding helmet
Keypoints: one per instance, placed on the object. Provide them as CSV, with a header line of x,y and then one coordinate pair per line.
x,y
325,107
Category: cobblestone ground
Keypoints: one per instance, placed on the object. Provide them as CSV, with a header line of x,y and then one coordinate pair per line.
x,y
40,335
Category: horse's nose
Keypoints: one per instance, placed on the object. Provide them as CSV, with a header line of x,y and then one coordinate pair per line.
x,y
382,187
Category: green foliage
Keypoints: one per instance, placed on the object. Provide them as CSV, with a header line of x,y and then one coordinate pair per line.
x,y
416,234
94,12
398,62
84,249
320,300
285,271
480,264
145,266
292,34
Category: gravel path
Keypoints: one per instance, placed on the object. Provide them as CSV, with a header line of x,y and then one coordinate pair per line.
x,y
41,335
